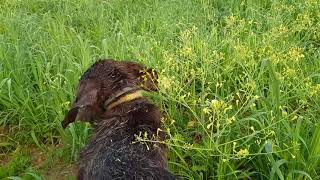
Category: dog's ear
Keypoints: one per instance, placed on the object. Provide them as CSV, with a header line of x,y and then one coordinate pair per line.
x,y
85,104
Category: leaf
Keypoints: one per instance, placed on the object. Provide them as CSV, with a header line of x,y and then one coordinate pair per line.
x,y
199,168
275,164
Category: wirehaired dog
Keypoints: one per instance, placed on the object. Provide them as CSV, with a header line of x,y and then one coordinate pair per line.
x,y
109,97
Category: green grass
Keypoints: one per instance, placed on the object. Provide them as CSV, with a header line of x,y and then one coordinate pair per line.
x,y
240,80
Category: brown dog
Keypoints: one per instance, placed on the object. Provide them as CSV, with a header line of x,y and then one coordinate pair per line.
x,y
109,97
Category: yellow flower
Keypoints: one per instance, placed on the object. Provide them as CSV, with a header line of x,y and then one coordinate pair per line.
x,y
284,113
315,90
304,20
243,51
169,59
165,82
186,51
294,118
217,105
295,53
191,124
66,104
258,141
185,35
280,31
218,55
206,110
287,72
234,146
227,109
209,125
231,120
243,153
230,20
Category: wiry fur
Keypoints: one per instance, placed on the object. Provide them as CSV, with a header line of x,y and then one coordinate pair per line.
x,y
113,151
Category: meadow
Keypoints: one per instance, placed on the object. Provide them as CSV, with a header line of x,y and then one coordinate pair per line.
x,y
239,82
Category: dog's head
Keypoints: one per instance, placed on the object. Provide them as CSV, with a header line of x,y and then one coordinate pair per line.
x,y
102,81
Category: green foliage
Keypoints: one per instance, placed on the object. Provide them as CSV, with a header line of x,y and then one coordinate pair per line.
x,y
239,80
19,164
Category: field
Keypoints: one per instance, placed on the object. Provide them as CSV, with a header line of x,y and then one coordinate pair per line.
x,y
239,82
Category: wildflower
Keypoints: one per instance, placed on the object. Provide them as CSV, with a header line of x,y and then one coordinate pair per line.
x,y
237,102
186,35
169,59
191,124
227,109
65,104
294,118
182,97
287,72
243,51
250,85
193,72
230,20
166,82
311,2
296,145
258,141
253,105
243,153
271,133
219,55
281,30
234,146
209,125
275,56
242,22
231,120
295,53
218,85
206,110
217,105
284,113
186,51
304,20
315,90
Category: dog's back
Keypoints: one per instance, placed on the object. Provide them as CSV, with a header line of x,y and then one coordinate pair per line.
x,y
115,153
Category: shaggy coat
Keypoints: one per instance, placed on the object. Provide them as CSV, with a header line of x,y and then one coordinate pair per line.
x,y
109,97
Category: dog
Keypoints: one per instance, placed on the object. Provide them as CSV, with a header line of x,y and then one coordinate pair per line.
x,y
110,97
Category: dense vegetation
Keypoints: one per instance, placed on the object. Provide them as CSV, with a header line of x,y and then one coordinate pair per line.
x,y
239,82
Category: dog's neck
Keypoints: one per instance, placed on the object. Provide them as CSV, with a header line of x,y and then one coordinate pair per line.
x,y
126,95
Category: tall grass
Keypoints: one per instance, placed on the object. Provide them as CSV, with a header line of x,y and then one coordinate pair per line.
x,y
239,80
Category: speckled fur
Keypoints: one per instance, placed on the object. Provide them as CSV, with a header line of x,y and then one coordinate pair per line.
x,y
113,152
